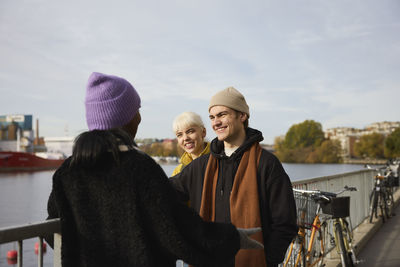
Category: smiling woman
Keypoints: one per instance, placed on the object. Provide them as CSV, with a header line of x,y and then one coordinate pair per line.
x,y
190,133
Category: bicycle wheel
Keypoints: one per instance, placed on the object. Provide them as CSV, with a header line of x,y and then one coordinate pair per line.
x,y
295,256
348,241
389,202
382,205
315,255
288,255
344,256
373,200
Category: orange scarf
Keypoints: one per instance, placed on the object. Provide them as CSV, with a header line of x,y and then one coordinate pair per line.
x,y
244,202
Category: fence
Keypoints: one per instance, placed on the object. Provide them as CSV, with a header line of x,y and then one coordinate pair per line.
x,y
20,233
363,180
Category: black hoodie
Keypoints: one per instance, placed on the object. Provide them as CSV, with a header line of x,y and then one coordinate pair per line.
x,y
277,205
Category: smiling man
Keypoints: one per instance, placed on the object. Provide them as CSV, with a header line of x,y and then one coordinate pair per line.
x,y
241,183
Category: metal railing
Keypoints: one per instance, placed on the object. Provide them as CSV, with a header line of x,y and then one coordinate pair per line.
x,y
23,232
363,180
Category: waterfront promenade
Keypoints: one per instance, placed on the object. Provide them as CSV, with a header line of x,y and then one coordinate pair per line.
x,y
377,244
383,249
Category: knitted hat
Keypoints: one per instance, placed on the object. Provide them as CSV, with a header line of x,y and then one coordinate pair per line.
x,y
231,98
110,102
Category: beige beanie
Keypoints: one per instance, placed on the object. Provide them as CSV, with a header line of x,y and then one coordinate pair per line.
x,y
231,98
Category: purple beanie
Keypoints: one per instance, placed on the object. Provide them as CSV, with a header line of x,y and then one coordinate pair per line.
x,y
110,102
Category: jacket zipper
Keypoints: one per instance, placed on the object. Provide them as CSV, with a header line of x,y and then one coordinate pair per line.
x,y
222,177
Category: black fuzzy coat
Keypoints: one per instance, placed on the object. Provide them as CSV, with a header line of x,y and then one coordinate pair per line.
x,y
129,215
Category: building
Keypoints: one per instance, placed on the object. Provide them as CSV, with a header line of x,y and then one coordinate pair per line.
x,y
17,134
348,136
385,127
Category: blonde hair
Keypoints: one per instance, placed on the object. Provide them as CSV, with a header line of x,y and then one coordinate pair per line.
x,y
187,119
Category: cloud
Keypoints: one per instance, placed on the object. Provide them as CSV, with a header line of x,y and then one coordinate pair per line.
x,y
328,61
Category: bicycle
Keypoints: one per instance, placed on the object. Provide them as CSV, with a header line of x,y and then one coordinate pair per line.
x,y
296,255
394,165
329,208
381,195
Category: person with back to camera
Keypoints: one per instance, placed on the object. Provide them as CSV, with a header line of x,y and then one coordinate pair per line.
x,y
116,205
241,183
190,133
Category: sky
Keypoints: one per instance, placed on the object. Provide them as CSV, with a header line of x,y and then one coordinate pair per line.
x,y
334,62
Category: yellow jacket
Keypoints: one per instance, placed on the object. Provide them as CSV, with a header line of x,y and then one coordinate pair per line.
x,y
187,158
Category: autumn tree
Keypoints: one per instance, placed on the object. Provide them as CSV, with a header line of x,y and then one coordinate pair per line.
x,y
329,151
305,134
370,145
392,145
305,142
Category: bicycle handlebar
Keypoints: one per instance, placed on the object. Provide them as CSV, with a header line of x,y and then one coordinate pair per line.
x,y
318,194
378,170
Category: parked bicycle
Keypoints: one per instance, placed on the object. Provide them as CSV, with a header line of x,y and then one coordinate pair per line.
x,y
394,165
319,211
381,198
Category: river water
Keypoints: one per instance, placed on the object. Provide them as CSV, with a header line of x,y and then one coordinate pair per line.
x,y
23,199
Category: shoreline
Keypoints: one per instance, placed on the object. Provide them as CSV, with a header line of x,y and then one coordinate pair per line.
x,y
365,161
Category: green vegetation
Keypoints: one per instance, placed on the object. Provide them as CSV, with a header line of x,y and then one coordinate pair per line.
x,y
376,146
392,145
370,145
306,134
160,147
305,143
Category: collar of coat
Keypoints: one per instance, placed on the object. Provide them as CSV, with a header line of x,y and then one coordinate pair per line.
x,y
187,158
252,136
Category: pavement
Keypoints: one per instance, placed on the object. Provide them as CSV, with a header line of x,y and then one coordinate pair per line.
x,y
376,243
383,249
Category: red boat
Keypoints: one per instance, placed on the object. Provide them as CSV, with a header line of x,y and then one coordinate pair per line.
x,y
23,161
20,150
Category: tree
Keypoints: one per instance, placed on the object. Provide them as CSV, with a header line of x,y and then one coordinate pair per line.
x,y
305,134
329,151
304,142
370,145
392,144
